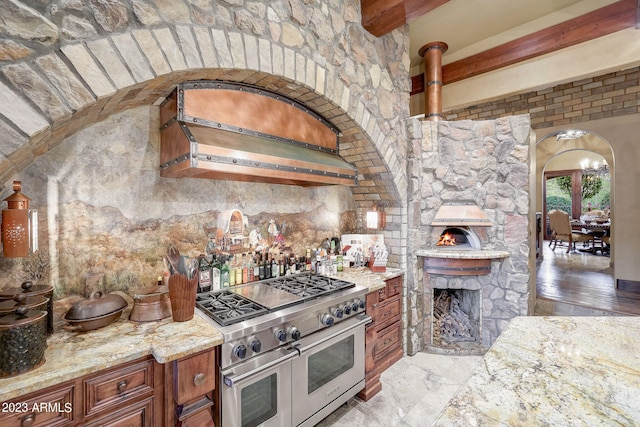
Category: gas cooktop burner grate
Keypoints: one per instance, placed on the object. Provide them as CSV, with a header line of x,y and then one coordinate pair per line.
x,y
308,285
228,308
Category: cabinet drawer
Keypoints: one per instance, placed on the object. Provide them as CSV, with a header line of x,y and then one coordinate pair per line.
x,y
388,339
193,377
115,388
386,312
393,286
51,408
136,415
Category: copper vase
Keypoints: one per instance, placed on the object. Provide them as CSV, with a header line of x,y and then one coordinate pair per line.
x,y
182,293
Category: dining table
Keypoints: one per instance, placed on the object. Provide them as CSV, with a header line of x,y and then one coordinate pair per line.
x,y
598,229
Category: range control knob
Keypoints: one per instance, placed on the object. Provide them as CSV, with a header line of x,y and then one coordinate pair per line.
x,y
281,335
255,345
354,306
326,320
337,312
347,309
293,333
240,351
361,304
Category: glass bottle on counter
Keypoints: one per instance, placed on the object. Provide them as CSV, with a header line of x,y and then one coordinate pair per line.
x,y
261,271
232,271
204,275
267,265
275,268
282,265
250,267
238,272
256,267
224,275
215,275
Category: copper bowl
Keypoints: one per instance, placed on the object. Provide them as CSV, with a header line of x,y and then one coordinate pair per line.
x,y
94,312
90,324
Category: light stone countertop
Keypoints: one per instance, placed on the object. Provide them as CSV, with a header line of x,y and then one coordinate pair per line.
x,y
555,371
71,355
364,277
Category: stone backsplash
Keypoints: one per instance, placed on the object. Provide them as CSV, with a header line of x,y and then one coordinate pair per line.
x,y
107,217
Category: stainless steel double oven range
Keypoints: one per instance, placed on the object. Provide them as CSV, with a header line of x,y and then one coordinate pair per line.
x,y
293,349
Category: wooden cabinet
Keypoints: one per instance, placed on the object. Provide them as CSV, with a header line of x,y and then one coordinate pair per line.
x,y
140,393
383,340
127,395
194,381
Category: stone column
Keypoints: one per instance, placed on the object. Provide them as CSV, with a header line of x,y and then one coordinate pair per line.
x,y
432,54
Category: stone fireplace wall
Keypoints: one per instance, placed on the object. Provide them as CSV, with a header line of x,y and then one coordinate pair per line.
x,y
486,162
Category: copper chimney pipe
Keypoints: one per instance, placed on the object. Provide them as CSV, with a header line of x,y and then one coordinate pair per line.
x,y
432,53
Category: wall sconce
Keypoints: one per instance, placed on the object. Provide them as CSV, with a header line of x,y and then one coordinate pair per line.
x,y
19,225
376,219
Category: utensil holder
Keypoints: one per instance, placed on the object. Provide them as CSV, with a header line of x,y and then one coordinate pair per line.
x,y
182,293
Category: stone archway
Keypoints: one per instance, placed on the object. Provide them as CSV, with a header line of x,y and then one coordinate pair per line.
x,y
63,87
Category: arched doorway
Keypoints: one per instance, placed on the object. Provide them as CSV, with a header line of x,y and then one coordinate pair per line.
x,y
565,160
589,144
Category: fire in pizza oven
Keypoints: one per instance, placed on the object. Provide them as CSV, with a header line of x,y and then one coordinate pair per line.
x,y
459,238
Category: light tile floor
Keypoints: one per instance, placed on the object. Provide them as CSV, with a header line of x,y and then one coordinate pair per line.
x,y
414,391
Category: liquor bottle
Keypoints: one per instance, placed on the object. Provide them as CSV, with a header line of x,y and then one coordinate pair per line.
x,y
232,271
261,272
224,275
292,264
256,266
275,268
267,267
282,265
250,268
245,269
215,274
204,275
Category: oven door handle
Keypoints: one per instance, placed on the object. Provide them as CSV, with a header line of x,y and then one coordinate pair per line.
x,y
362,319
231,379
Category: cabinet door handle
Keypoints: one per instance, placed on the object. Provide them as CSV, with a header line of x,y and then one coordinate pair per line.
x,y
122,386
198,379
387,341
28,420
374,305
386,313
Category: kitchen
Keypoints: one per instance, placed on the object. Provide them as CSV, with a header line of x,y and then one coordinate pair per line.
x,y
87,152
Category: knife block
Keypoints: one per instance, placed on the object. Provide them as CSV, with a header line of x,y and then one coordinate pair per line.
x,y
182,293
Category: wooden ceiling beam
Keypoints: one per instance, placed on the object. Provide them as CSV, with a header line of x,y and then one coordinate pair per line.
x,y
609,19
380,17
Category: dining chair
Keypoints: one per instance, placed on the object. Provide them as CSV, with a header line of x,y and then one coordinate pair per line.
x,y
560,225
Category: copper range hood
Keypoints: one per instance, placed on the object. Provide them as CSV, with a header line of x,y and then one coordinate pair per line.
x,y
460,213
234,131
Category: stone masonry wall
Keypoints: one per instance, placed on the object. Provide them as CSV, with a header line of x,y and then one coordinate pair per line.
x,y
486,162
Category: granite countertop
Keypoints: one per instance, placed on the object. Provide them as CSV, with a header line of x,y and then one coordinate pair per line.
x,y
366,278
71,355
554,371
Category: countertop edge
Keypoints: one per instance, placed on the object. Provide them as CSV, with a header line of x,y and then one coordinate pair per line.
x,y
481,254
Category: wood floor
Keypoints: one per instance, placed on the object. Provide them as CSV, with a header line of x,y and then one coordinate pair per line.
x,y
582,279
